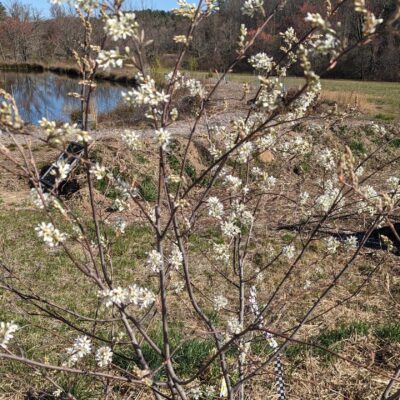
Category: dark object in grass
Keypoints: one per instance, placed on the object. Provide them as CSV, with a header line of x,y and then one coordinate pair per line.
x,y
375,240
48,173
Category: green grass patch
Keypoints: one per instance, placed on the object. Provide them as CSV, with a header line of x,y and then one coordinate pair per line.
x,y
357,148
148,189
333,339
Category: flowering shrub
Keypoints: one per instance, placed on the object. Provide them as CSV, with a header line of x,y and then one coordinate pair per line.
x,y
234,196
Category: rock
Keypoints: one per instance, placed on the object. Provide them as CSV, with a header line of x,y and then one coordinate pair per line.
x,y
266,157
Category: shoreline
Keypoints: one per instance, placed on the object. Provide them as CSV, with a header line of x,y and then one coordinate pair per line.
x,y
65,69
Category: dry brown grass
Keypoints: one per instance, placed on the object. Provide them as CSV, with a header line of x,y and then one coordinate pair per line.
x,y
360,101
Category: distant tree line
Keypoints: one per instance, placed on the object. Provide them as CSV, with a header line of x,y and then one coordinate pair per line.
x,y
25,35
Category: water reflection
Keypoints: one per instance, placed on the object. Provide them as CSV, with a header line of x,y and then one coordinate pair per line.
x,y
46,95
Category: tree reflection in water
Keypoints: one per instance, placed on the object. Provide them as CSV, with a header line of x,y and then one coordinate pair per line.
x,y
46,95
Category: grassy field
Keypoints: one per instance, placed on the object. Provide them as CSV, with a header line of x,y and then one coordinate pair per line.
x,y
383,97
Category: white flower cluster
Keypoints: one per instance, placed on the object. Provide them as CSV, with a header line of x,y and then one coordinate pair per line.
x,y
252,7
176,257
372,200
120,225
271,94
266,141
332,244
327,160
289,38
146,94
7,330
82,346
234,327
244,152
85,5
99,171
265,181
261,62
182,39
61,169
64,133
181,82
377,129
326,200
41,199
107,59
316,20
233,182
306,100
215,207
50,234
163,138
303,198
132,295
155,260
370,21
229,229
220,301
185,9
131,139
351,243
104,356
121,26
289,251
221,252
393,182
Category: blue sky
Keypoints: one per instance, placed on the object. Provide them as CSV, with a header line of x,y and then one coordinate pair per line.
x,y
43,5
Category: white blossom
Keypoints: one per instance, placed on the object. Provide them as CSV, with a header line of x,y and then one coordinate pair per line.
x,y
316,20
261,62
155,260
327,160
61,169
393,182
50,235
195,393
104,356
244,152
176,257
122,26
233,182
163,138
131,139
120,225
332,244
185,9
41,199
303,198
351,242
7,330
221,252
132,295
215,207
289,251
234,326
220,302
107,59
99,171
145,94
229,229
251,7
82,346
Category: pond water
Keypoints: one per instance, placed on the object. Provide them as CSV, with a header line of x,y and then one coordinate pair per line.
x,y
45,94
